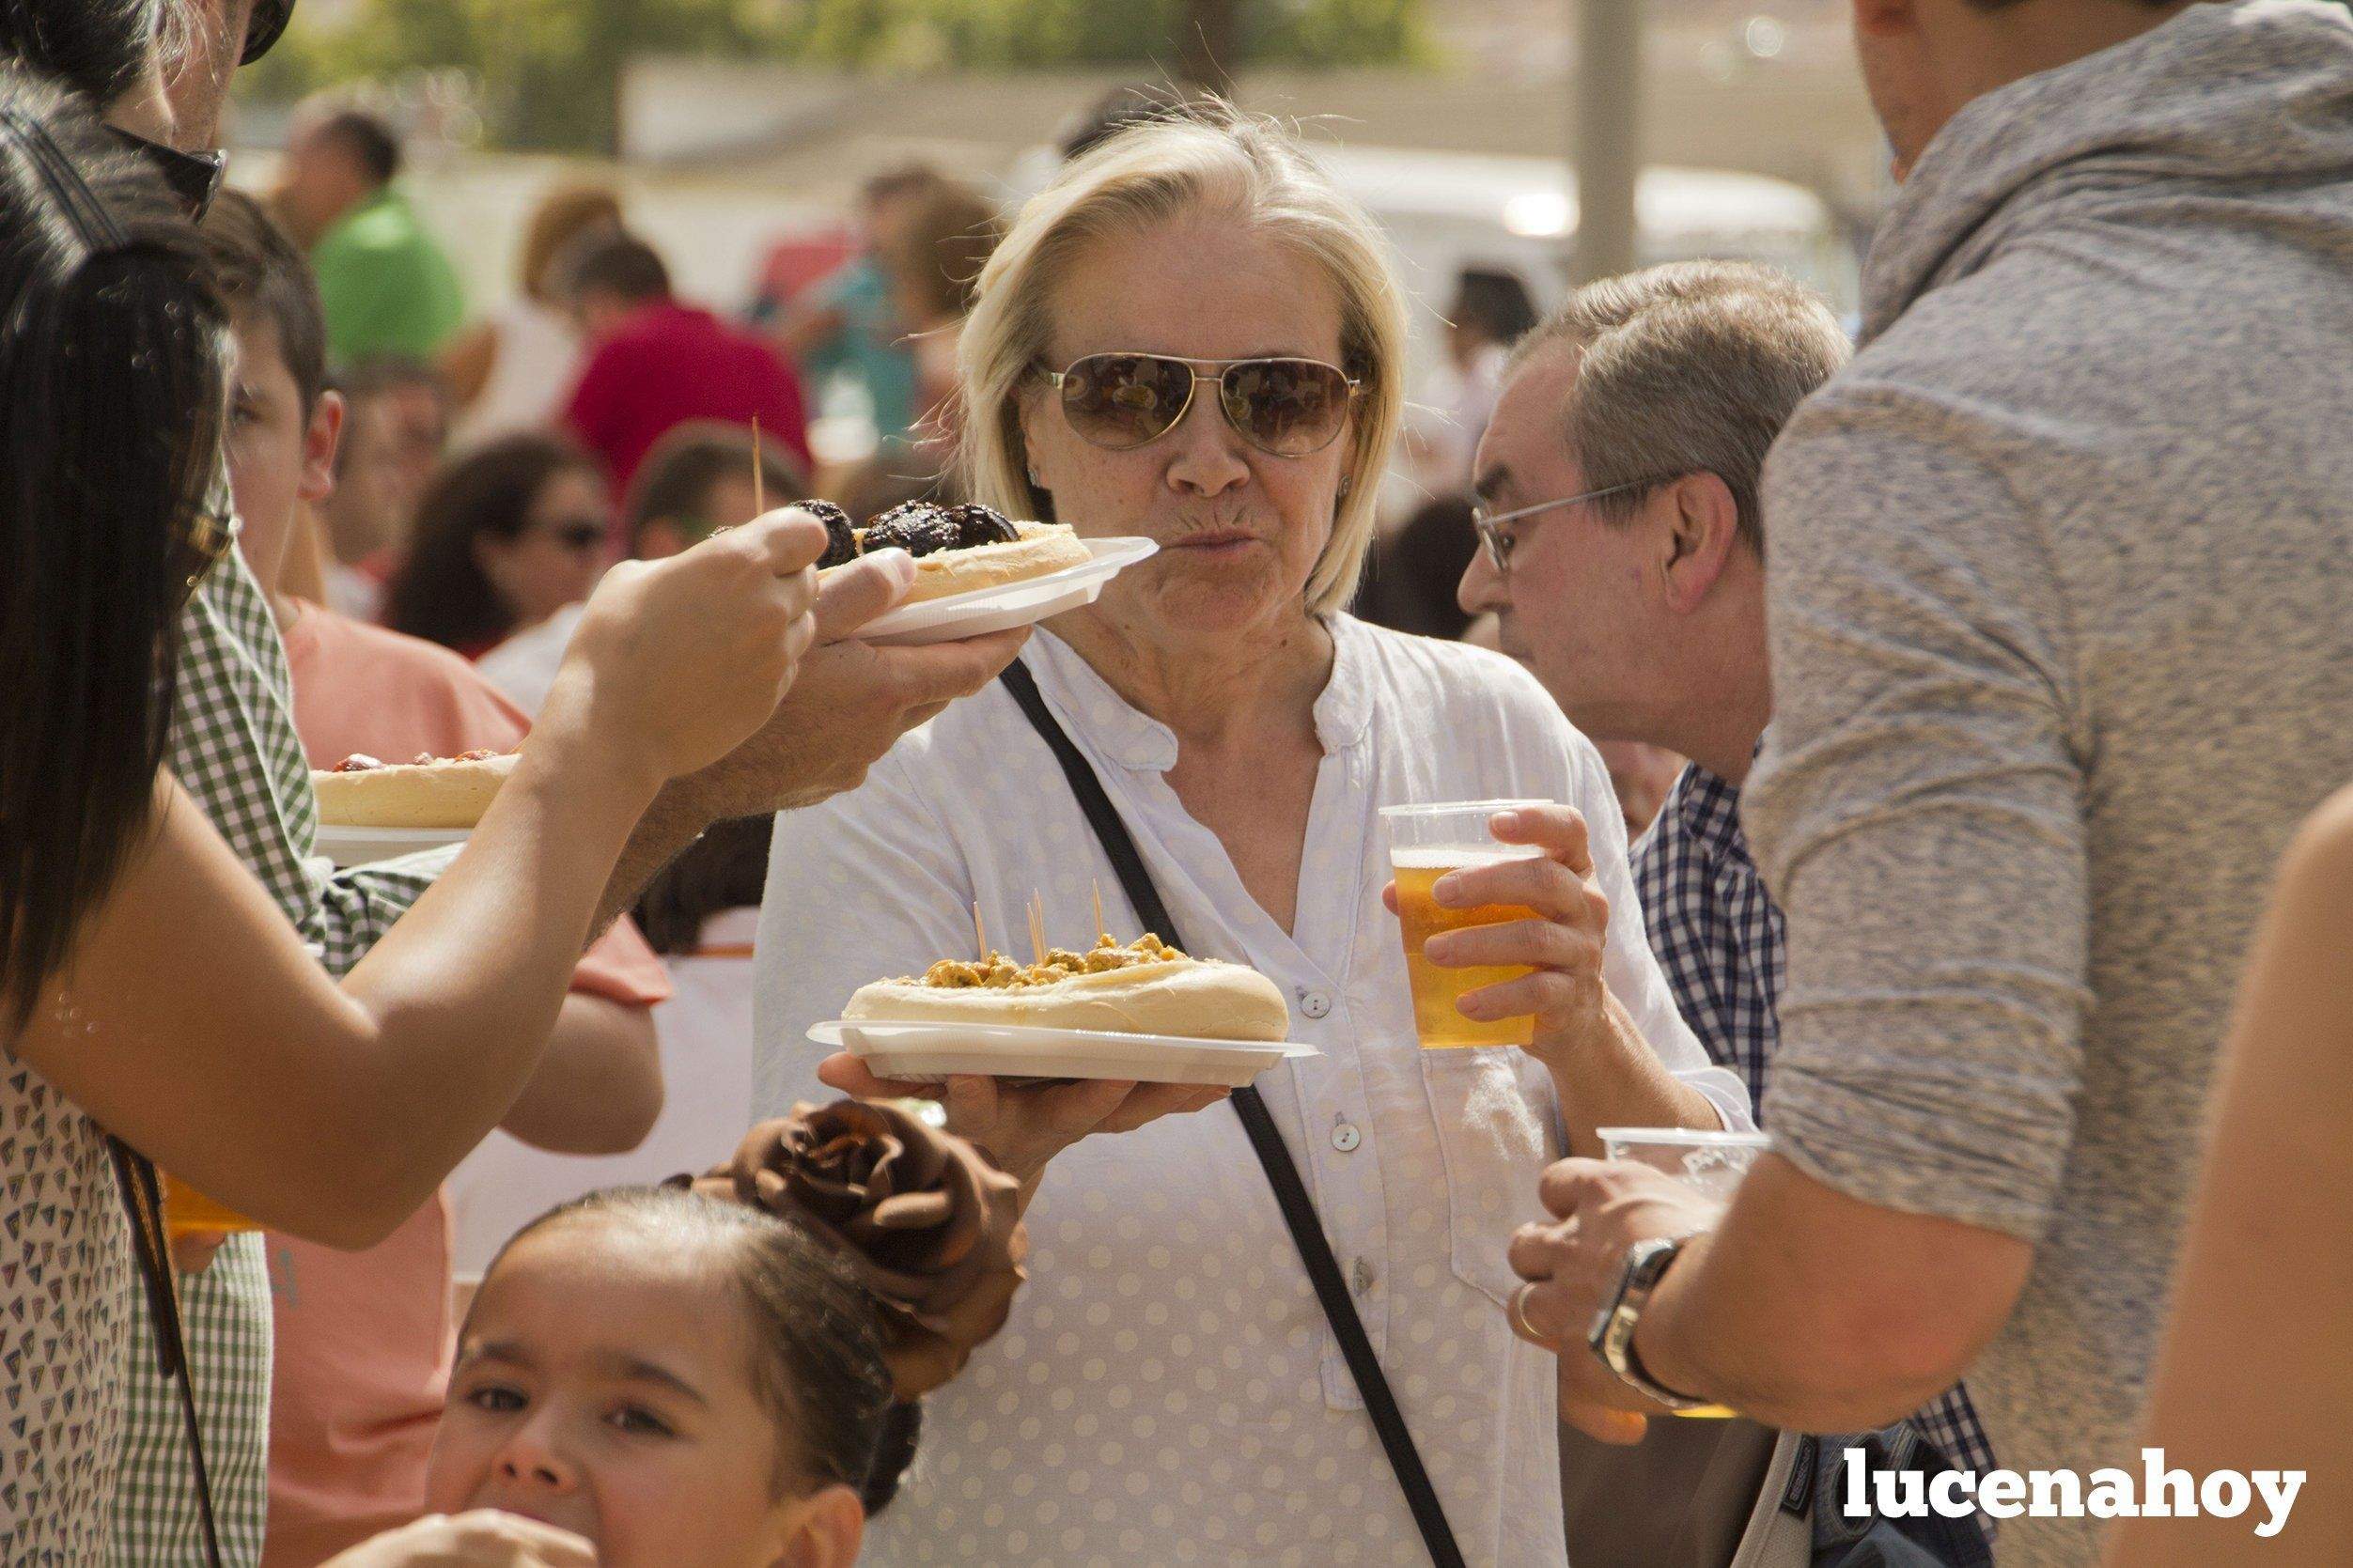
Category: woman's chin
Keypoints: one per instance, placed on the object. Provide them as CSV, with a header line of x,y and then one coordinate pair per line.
x,y
1195,604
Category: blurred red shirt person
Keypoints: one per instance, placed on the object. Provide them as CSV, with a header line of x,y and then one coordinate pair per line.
x,y
656,362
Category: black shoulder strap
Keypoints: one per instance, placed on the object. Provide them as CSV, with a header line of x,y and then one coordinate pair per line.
x,y
1290,1193
150,1246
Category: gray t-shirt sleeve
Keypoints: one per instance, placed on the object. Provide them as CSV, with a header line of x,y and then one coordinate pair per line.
x,y
1916,814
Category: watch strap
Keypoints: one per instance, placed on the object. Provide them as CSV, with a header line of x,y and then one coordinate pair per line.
x,y
1613,1336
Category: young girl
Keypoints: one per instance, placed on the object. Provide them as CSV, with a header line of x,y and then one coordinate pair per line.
x,y
674,1379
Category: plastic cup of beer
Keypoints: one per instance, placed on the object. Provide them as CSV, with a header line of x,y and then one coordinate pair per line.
x,y
1425,843
1714,1162
186,1211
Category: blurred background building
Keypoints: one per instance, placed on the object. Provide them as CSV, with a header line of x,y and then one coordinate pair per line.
x,y
739,133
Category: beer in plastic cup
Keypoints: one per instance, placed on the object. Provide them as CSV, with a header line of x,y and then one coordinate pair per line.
x,y
186,1210
1425,843
1713,1162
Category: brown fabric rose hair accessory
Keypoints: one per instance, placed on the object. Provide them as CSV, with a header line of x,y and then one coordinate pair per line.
x,y
923,1218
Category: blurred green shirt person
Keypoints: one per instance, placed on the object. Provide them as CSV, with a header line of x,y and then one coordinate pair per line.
x,y
387,287
869,346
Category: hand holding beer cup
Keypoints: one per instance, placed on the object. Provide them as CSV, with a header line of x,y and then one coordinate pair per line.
x,y
1504,926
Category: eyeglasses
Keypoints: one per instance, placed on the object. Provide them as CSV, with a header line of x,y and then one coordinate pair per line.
x,y
193,177
1287,408
1498,542
583,533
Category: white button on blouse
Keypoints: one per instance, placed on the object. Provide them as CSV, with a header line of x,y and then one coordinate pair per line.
x,y
1166,1390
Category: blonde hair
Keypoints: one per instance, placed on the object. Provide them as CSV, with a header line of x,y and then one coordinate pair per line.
x,y
1214,160
563,218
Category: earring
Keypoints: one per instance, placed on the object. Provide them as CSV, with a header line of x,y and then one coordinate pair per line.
x,y
1347,482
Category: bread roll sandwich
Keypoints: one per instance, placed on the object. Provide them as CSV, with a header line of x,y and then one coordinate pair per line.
x,y
1140,988
430,792
957,549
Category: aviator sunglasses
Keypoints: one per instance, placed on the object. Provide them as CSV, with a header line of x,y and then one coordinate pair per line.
x,y
1287,408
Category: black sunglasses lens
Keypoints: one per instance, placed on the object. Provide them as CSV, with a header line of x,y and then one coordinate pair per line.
x,y
192,177
267,25
1123,400
1286,407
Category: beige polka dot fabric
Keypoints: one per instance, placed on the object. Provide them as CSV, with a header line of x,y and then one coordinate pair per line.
x,y
1166,1391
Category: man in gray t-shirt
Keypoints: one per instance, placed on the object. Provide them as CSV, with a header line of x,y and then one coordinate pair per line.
x,y
2062,653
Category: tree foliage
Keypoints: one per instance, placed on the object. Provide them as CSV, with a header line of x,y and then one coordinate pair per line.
x,y
550,68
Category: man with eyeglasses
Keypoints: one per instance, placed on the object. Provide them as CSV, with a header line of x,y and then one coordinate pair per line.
x,y
1622,551
2061,663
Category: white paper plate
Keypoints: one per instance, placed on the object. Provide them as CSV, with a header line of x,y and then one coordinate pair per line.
x,y
366,846
925,1052
999,609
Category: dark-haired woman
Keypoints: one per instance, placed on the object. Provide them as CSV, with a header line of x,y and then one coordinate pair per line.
x,y
694,481
154,982
507,537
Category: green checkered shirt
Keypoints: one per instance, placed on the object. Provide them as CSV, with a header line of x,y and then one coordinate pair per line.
x,y
233,747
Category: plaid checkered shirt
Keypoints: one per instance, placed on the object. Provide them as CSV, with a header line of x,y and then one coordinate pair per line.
x,y
234,749
1718,936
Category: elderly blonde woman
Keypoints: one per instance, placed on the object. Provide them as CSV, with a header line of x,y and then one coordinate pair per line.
x,y
1192,337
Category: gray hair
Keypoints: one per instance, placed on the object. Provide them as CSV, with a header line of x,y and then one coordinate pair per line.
x,y
1686,368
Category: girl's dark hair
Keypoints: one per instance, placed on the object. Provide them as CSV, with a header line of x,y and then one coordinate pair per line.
x,y
113,355
724,869
675,480
100,48
439,592
817,1340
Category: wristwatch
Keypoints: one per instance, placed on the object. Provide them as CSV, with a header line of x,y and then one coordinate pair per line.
x,y
1612,1333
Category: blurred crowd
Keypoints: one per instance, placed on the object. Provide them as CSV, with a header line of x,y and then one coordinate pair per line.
x,y
474,439
1957,886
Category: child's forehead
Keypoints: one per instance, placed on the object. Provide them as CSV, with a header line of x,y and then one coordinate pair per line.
x,y
608,1281
647,1261
632,1241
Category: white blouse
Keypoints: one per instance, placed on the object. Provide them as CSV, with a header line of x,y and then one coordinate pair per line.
x,y
1166,1390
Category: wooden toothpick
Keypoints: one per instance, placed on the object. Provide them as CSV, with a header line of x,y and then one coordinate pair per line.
x,y
980,933
1102,935
759,486
1037,927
